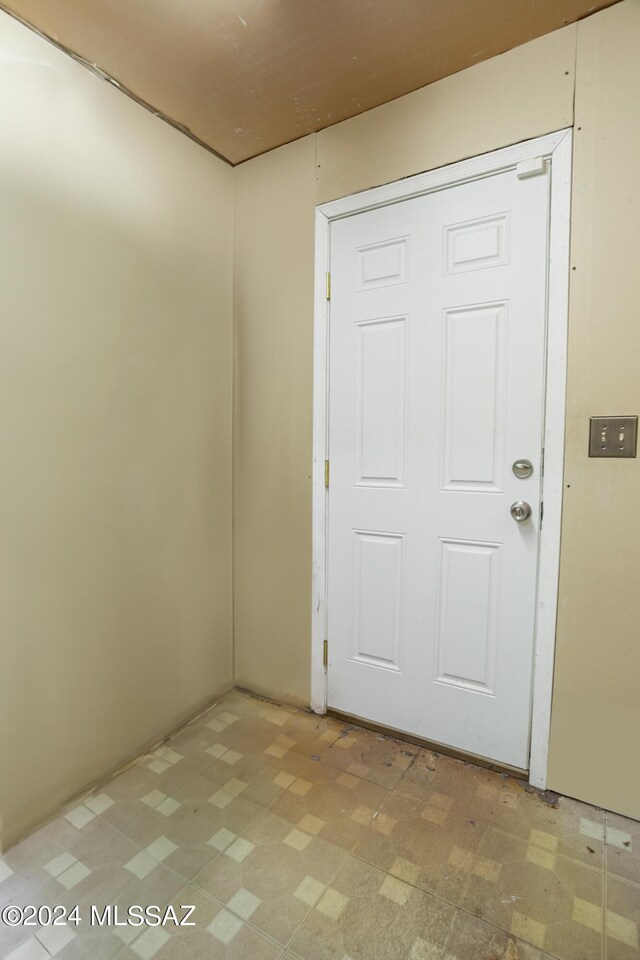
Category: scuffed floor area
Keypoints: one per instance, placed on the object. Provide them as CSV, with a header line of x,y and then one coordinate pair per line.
x,y
297,836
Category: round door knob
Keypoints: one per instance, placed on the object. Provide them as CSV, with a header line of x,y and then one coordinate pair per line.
x,y
520,511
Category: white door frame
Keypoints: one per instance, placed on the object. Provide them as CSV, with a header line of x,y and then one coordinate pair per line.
x,y
556,148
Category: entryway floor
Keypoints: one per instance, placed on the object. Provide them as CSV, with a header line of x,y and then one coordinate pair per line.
x,y
297,836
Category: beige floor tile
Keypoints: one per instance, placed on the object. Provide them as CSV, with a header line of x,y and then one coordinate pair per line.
x,y
247,735
622,920
313,735
208,799
272,875
240,738
12,882
473,939
23,866
139,821
428,832
331,803
97,943
158,887
258,773
370,755
198,790
193,743
537,896
99,846
217,935
162,775
84,864
299,732
58,831
143,879
623,847
423,844
256,749
367,915
28,894
571,828
185,844
467,790
138,780
228,810
115,887
246,705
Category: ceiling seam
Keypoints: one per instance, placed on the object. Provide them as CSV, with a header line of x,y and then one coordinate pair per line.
x,y
103,75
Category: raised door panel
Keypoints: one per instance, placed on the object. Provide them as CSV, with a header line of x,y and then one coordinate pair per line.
x,y
474,397
381,264
380,430
377,598
476,244
468,615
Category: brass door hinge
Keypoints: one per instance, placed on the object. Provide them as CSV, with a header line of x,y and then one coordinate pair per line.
x,y
326,473
325,654
328,286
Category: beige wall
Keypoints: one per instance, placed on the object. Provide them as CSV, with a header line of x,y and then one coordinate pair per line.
x,y
272,436
524,93
115,417
521,94
596,704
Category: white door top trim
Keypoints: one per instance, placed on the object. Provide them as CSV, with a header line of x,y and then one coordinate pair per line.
x,y
485,165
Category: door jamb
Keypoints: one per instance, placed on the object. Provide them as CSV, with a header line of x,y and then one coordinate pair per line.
x,y
555,147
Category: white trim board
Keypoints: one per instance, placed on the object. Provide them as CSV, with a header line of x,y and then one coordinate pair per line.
x,y
556,148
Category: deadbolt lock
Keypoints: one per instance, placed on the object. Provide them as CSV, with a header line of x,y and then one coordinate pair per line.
x,y
522,468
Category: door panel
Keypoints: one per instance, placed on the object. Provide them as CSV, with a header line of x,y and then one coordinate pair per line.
x,y
377,600
474,396
468,614
436,371
381,384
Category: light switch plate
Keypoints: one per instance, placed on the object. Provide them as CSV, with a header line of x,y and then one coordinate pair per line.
x,y
613,436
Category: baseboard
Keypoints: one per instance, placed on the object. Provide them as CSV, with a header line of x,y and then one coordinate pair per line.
x,y
280,700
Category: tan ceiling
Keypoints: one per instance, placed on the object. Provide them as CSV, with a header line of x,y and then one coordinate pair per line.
x,y
244,76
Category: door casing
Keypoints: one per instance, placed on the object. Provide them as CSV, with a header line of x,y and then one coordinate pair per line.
x,y
556,148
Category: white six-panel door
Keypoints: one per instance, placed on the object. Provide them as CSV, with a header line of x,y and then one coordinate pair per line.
x,y
436,386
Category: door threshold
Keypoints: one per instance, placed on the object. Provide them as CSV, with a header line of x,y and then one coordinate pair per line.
x,y
430,745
